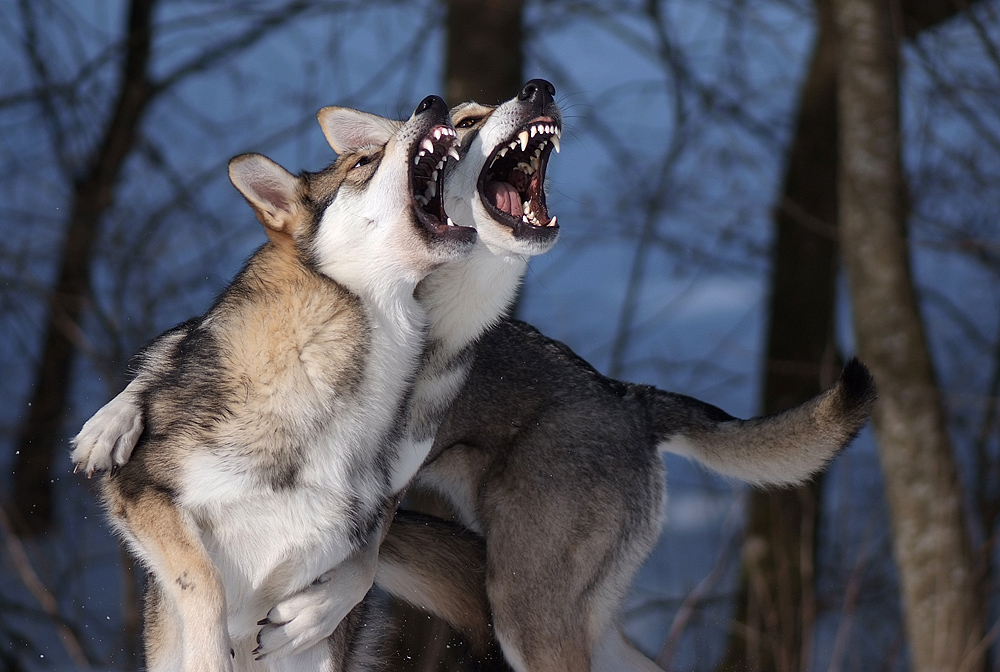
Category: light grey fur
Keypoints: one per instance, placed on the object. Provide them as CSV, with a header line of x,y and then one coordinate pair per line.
x,y
559,468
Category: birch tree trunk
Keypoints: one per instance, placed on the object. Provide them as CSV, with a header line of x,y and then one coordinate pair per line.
x,y
943,616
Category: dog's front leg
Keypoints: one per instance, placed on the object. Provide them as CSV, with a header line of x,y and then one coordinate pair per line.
x,y
188,583
106,440
311,615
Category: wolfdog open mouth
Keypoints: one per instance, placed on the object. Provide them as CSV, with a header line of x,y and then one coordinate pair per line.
x,y
511,184
427,177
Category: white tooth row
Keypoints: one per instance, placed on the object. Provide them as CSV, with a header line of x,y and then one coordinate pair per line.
x,y
444,130
529,217
427,147
523,136
550,129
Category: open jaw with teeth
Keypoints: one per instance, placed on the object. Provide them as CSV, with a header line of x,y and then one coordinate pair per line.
x,y
511,184
427,176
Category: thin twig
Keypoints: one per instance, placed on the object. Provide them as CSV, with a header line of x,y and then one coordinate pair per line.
x,y
34,584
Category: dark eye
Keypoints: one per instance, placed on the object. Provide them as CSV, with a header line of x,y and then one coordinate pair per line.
x,y
363,161
468,122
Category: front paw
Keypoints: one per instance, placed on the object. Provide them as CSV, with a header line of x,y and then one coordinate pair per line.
x,y
107,439
301,621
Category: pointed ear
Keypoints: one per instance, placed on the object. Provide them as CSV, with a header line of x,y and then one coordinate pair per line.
x,y
273,192
347,130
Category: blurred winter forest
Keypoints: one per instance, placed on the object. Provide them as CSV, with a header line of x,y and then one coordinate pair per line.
x,y
749,193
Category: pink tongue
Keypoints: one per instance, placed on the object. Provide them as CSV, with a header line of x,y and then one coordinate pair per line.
x,y
504,197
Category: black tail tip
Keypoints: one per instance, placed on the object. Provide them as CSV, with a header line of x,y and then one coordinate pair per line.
x,y
857,384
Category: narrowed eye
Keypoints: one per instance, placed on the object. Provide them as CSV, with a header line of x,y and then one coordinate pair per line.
x,y
468,122
363,161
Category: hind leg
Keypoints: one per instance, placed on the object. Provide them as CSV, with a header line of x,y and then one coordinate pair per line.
x,y
614,653
547,596
541,627
560,560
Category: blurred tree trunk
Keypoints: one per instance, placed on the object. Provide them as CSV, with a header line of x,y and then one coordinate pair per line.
x,y
775,607
943,614
93,193
483,59
483,62
776,603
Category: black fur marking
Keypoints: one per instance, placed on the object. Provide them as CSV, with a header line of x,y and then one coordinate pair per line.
x,y
858,384
363,520
184,583
283,475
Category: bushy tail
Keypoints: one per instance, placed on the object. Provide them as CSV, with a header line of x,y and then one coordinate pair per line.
x,y
440,568
781,449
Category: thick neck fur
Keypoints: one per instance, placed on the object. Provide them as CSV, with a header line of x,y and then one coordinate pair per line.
x,y
463,299
300,320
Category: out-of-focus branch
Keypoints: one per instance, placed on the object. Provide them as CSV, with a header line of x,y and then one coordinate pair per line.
x,y
22,565
92,195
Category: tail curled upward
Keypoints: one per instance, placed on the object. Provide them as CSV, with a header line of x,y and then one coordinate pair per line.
x,y
781,449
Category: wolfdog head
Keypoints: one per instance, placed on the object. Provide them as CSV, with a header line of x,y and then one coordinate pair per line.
x,y
376,213
499,185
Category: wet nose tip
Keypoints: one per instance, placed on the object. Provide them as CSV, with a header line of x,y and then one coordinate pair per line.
x,y
535,88
430,103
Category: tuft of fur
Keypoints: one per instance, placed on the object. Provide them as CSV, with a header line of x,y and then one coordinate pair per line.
x,y
783,449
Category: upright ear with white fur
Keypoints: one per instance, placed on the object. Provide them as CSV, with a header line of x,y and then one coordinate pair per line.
x,y
348,130
273,192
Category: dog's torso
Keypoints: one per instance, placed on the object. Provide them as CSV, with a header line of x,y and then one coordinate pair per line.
x,y
275,425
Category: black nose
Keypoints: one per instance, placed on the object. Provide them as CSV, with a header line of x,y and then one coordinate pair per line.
x,y
537,91
431,103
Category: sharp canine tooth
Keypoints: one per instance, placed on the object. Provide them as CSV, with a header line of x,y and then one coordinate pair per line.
x,y
555,142
450,223
523,137
453,153
428,145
